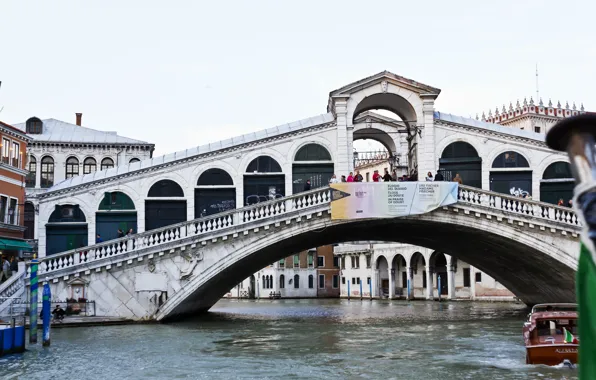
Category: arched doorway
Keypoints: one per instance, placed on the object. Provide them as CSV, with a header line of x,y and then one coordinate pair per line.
x,y
461,157
400,267
511,174
66,229
312,162
214,193
115,212
418,268
29,221
438,263
263,181
165,205
383,277
557,183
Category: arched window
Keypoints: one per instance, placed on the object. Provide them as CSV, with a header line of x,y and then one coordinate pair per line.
x,y
166,188
461,158
89,165
47,172
510,159
32,176
263,164
72,167
557,183
215,177
558,170
133,160
107,163
296,281
66,229
282,281
264,280
34,126
312,163
311,281
67,214
270,281
116,200
312,152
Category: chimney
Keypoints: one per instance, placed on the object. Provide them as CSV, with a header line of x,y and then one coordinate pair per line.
x,y
79,117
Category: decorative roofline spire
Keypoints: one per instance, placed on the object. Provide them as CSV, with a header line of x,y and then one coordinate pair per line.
x,y
558,104
566,105
582,108
531,101
541,104
550,103
574,107
525,102
517,106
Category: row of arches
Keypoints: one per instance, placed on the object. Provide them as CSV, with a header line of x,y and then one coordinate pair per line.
x,y
72,168
510,173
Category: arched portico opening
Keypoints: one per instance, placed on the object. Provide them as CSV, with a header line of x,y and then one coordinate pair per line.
x,y
214,193
400,270
438,265
382,267
66,229
116,211
312,162
557,183
165,205
511,174
263,181
418,268
463,159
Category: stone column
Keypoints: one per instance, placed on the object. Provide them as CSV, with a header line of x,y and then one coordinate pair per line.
x,y
472,283
343,157
451,268
391,283
410,292
427,157
429,282
376,283
38,172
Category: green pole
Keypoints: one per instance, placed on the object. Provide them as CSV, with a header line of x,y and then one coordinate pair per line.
x,y
33,307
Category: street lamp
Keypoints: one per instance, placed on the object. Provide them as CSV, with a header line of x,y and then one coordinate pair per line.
x,y
355,157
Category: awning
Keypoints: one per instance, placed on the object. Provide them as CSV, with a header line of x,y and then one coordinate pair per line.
x,y
13,244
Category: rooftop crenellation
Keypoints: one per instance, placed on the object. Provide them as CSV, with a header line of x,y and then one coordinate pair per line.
x,y
529,108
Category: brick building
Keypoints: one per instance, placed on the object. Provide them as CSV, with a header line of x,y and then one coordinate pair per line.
x,y
13,146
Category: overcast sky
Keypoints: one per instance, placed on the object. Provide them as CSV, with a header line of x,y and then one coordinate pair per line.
x,y
185,73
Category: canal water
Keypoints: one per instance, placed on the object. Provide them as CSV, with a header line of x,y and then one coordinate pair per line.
x,y
298,339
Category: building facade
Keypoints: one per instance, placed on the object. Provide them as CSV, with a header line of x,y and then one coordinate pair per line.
x,y
59,151
13,159
389,270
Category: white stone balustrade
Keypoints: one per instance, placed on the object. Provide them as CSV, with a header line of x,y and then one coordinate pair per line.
x,y
12,288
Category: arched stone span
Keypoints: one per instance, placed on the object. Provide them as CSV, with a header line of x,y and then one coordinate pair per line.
x,y
527,264
388,101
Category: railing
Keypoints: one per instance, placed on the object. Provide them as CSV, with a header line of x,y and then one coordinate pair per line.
x,y
522,206
278,207
217,222
12,288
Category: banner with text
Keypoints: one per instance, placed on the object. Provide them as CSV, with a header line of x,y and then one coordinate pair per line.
x,y
359,200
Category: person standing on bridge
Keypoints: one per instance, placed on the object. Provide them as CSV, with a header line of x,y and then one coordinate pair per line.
x,y
387,176
307,185
358,176
429,176
351,177
333,180
458,179
439,176
376,176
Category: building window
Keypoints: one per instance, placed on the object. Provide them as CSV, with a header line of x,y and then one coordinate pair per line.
x,y
335,281
537,129
343,280
355,262
32,176
282,281
16,152
12,212
358,280
47,172
33,126
296,261
5,150
321,281
343,262
107,163
467,277
311,259
311,281
89,165
3,207
133,160
368,281
282,263
296,281
368,261
320,261
478,276
72,167
335,262
353,281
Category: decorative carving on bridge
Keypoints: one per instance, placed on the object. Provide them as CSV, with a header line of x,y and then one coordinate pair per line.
x,y
193,260
384,86
151,265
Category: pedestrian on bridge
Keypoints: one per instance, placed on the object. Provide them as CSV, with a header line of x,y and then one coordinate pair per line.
x,y
439,176
307,185
458,179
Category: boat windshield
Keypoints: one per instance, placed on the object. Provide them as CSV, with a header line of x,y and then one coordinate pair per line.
x,y
554,307
550,327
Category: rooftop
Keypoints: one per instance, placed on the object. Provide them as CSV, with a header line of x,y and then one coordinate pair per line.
x,y
58,131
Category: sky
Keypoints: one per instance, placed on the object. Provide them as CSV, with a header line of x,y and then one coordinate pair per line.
x,y
186,73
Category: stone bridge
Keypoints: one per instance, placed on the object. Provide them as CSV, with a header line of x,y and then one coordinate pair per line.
x,y
528,246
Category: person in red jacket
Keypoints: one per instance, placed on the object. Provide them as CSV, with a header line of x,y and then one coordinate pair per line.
x,y
376,176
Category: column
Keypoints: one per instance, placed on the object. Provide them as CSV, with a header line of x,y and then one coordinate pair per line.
x,y
451,267
427,157
376,284
38,172
429,282
343,157
391,283
472,283
410,281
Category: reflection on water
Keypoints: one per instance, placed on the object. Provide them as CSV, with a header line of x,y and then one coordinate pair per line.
x,y
298,339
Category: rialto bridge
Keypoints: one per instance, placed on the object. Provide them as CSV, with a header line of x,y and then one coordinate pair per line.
x,y
207,217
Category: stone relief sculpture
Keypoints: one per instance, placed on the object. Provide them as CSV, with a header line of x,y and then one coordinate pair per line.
x,y
192,261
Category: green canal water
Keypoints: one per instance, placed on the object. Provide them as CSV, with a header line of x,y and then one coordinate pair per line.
x,y
298,339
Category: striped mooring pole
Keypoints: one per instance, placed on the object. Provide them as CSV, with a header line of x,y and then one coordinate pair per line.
x,y
33,307
47,314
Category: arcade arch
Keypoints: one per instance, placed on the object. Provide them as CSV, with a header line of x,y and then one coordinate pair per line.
x,y
511,174
438,265
215,192
116,211
557,183
311,162
461,157
165,205
400,267
66,229
418,268
263,180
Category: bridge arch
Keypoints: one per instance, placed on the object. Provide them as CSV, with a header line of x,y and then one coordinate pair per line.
x,y
311,161
529,265
165,204
264,179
